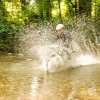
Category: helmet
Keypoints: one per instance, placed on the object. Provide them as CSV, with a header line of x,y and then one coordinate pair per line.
x,y
59,26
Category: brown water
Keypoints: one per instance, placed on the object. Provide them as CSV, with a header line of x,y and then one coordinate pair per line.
x,y
22,79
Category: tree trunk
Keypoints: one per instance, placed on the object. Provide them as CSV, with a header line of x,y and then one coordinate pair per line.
x,y
2,8
47,9
40,9
60,16
85,7
76,7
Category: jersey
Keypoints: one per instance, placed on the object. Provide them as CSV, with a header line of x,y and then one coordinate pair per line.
x,y
65,38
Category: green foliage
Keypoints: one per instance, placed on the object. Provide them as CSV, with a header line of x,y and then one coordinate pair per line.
x,y
17,13
7,35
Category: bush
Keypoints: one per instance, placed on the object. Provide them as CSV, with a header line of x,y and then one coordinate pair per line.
x,y
7,35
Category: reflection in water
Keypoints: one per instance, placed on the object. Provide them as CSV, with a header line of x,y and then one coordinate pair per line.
x,y
21,79
34,86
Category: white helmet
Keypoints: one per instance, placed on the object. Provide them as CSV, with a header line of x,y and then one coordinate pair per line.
x,y
59,26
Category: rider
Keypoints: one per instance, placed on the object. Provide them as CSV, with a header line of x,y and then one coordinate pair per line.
x,y
61,34
66,38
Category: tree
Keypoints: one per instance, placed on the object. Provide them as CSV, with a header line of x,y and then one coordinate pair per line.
x,y
48,9
3,11
40,9
24,3
60,17
85,7
74,5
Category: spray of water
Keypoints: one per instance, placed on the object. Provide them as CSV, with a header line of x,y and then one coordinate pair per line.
x,y
39,42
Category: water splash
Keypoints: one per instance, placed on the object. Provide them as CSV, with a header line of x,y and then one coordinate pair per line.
x,y
40,43
86,60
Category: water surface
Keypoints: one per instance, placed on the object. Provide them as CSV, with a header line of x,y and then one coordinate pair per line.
x,y
22,79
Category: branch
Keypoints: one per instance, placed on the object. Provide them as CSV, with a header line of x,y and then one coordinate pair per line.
x,y
72,3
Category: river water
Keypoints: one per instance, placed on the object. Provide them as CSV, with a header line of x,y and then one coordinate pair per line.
x,y
22,79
